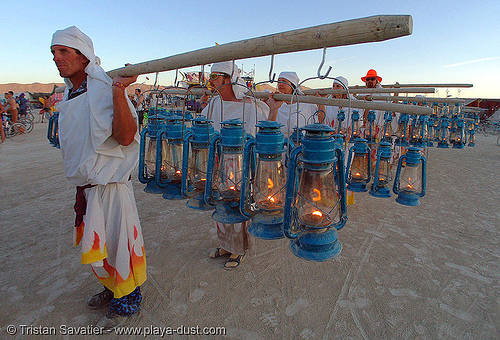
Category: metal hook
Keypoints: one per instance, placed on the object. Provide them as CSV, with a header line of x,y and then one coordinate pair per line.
x,y
156,80
271,79
176,74
232,71
321,66
202,76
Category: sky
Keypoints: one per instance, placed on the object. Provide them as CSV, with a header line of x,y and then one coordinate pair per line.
x,y
452,41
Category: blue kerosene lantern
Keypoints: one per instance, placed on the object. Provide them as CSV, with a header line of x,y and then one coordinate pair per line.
x,y
459,135
169,157
317,209
50,129
268,181
443,137
355,129
421,132
194,167
370,131
53,130
401,132
147,154
382,175
341,130
413,129
472,133
387,130
453,131
431,131
228,172
410,181
358,172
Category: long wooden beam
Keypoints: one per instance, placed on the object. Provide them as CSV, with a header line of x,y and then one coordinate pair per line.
x,y
355,104
350,32
397,85
428,100
376,90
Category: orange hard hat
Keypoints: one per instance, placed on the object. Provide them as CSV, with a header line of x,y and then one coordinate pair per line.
x,y
371,73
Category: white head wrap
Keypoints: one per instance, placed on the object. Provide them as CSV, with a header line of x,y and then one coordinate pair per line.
x,y
292,77
229,68
74,38
341,80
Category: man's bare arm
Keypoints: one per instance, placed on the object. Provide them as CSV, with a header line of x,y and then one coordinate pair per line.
x,y
124,124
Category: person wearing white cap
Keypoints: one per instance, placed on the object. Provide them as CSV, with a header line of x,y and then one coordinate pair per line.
x,y
226,80
234,239
100,148
331,112
287,113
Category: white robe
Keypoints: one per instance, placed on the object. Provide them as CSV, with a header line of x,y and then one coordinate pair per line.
x,y
235,238
110,235
287,115
253,112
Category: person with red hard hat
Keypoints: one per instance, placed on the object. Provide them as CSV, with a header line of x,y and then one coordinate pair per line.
x,y
372,80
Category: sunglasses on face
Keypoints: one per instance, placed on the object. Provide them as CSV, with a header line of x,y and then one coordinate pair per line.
x,y
214,76
371,79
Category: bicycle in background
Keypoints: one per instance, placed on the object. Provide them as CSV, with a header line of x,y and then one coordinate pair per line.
x,y
14,131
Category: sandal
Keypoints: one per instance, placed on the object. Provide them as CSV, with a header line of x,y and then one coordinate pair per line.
x,y
233,262
217,254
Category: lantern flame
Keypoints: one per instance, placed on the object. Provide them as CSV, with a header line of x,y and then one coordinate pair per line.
x,y
270,183
231,175
178,172
271,199
317,213
316,195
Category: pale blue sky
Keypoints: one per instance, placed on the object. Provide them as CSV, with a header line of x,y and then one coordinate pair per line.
x,y
452,41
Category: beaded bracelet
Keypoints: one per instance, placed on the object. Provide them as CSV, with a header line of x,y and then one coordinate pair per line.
x,y
119,85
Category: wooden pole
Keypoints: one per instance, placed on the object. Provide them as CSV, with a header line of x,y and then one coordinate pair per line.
x,y
416,85
376,90
356,104
350,32
428,100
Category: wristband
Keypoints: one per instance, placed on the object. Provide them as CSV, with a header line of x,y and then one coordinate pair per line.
x,y
119,85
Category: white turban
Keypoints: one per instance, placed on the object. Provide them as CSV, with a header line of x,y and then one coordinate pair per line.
x,y
230,68
74,38
292,77
341,80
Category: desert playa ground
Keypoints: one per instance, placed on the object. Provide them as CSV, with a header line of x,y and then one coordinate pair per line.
x,y
425,272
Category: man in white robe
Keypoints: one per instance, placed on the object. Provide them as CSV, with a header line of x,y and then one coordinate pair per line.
x,y
230,103
291,114
100,146
330,116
